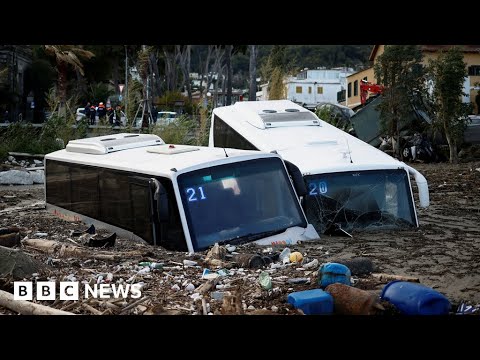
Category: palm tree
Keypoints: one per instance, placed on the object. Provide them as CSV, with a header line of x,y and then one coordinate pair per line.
x,y
65,56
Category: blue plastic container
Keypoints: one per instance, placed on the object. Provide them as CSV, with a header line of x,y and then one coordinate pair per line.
x,y
331,273
312,302
415,299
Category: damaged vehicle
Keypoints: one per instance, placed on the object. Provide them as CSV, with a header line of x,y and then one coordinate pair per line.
x,y
181,197
350,184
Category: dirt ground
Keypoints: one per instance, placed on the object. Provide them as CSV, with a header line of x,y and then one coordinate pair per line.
x,y
443,253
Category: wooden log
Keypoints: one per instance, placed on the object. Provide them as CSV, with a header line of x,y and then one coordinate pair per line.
x,y
91,309
10,230
390,277
68,250
26,307
206,287
232,304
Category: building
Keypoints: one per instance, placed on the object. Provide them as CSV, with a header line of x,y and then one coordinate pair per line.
x,y
312,87
471,58
14,61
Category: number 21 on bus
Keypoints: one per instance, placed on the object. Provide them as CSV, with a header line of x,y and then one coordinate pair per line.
x,y
192,194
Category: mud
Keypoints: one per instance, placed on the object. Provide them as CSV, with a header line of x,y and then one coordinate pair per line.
x,y
444,252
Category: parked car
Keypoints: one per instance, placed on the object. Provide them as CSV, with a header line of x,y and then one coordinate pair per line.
x,y
166,117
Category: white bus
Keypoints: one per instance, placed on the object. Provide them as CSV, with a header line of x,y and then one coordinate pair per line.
x,y
180,197
350,184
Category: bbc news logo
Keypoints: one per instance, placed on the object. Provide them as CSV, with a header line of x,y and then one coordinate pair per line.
x,y
69,290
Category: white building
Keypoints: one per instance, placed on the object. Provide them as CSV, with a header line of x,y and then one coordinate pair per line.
x,y
312,87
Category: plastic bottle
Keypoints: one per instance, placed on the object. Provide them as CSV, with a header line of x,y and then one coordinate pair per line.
x,y
151,265
285,254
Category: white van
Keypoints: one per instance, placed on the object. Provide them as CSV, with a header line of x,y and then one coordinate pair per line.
x,y
350,184
166,117
177,196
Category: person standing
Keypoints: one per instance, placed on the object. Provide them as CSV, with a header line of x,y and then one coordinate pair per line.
x,y
87,109
101,111
154,113
92,114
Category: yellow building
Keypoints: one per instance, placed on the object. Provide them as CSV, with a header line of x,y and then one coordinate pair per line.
x,y
471,58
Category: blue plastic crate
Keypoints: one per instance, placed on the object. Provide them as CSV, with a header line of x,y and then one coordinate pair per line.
x,y
312,302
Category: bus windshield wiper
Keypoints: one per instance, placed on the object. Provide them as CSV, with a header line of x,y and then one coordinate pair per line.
x,y
238,240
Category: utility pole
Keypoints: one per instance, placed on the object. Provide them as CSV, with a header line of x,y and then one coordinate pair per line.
x,y
126,83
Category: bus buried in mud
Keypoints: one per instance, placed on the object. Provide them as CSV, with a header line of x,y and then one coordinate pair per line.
x,y
180,197
350,184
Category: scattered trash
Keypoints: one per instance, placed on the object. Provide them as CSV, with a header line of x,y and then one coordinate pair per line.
x,y
152,265
175,287
285,256
351,301
465,309
298,280
311,265
189,263
265,280
208,275
312,302
190,287
145,270
331,273
217,252
231,248
222,272
249,261
296,257
415,299
108,241
217,295
40,234
90,230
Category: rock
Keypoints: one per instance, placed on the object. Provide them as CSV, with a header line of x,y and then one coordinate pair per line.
x,y
16,177
251,307
15,263
38,176
11,158
358,266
